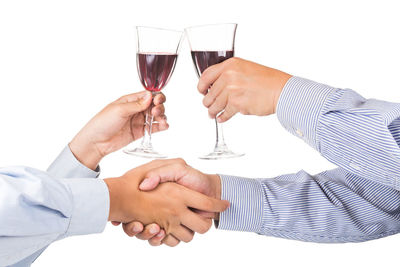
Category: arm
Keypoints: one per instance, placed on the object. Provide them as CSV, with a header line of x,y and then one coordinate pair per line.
x,y
66,165
333,206
37,209
118,124
357,134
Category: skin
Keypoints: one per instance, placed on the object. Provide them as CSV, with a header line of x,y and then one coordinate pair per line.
x,y
179,172
170,205
237,85
118,124
233,86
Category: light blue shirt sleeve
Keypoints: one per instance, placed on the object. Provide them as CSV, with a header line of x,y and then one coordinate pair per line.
x,y
359,135
66,166
38,208
356,202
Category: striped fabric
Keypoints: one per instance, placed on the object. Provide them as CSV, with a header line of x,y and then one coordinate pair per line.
x,y
356,202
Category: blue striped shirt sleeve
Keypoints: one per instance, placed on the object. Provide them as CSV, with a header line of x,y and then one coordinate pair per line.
x,y
359,135
330,207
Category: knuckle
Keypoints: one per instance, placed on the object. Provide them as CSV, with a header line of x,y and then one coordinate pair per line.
x,y
188,239
244,111
180,161
206,101
205,227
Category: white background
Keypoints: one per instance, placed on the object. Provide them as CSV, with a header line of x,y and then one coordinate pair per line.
x,y
62,61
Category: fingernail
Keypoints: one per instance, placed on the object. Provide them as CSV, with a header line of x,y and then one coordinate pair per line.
x,y
160,234
145,183
219,119
147,96
153,230
135,229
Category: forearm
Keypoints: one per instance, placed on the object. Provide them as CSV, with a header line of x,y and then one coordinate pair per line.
x,y
334,206
40,209
354,133
66,165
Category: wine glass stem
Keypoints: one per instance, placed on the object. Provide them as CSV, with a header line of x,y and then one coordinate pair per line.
x,y
220,142
148,126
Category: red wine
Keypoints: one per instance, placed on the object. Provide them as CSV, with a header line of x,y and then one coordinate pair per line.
x,y
204,59
155,69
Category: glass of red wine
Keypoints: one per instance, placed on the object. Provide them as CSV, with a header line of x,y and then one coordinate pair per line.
x,y
212,44
157,52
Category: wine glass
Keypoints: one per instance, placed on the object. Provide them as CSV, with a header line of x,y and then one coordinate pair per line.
x,y
157,52
212,44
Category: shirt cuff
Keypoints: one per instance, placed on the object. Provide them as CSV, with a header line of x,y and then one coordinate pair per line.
x,y
66,166
300,105
246,198
91,204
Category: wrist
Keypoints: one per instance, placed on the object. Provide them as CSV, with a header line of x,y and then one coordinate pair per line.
x,y
86,153
216,186
113,185
279,84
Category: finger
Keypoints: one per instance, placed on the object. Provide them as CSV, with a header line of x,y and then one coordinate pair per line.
x,y
182,233
214,92
227,113
167,173
196,222
115,223
160,119
158,110
206,214
209,76
139,105
218,105
161,126
202,202
159,99
132,97
132,228
150,231
157,240
170,241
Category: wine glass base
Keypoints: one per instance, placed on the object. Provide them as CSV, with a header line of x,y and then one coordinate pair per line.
x,y
226,154
144,153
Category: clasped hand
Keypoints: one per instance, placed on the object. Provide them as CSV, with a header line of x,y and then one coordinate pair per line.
x,y
175,208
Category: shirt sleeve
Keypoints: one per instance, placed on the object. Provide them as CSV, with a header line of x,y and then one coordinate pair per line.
x,y
36,210
330,207
66,165
359,135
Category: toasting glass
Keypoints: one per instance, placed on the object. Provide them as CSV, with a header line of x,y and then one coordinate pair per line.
x,y
212,44
157,52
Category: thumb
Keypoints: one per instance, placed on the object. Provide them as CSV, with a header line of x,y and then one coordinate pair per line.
x,y
167,173
138,105
149,184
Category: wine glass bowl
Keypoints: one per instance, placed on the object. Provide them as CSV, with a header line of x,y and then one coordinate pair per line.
x,y
157,53
210,45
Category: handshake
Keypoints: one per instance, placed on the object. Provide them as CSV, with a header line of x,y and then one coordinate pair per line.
x,y
172,199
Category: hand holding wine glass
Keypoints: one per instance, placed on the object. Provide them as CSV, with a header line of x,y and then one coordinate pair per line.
x,y
210,45
117,125
237,85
